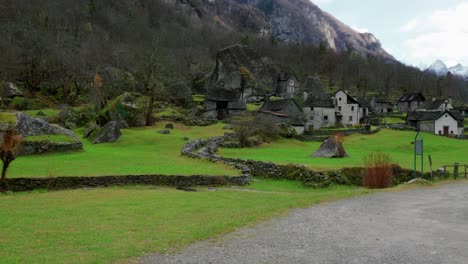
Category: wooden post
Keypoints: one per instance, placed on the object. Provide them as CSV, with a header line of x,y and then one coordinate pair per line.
x,y
455,171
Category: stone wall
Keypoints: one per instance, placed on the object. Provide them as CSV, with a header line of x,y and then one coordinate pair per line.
x,y
61,183
45,146
206,149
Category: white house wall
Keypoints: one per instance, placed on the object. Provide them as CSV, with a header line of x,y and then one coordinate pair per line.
x,y
446,120
347,110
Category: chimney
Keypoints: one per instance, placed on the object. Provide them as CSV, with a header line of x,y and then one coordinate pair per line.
x,y
450,100
433,99
305,96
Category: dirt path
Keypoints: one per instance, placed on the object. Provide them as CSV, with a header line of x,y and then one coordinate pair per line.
x,y
417,226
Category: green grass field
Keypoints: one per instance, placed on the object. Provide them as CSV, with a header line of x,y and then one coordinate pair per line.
x,y
397,144
118,224
138,151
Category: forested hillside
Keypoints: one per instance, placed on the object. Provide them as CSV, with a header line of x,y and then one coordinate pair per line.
x,y
53,47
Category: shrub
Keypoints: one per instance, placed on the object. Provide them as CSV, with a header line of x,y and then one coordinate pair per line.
x,y
378,171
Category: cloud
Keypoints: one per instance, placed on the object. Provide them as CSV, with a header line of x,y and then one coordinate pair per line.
x,y
443,34
359,29
322,2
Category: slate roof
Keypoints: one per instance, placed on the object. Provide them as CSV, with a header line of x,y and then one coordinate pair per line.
x,y
284,76
313,101
277,105
432,105
408,97
363,103
433,116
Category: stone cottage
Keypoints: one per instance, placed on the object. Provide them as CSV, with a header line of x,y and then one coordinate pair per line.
x,y
319,112
436,105
340,109
240,75
381,105
283,111
410,102
288,85
446,123
350,111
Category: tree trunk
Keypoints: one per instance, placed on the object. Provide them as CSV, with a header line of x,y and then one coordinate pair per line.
x,y
149,114
6,164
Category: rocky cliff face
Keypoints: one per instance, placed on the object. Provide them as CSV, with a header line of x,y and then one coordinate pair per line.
x,y
294,21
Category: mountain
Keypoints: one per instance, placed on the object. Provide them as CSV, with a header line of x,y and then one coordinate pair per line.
x,y
439,68
459,70
293,21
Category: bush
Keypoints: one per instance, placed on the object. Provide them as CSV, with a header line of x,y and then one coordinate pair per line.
x,y
249,127
20,103
378,171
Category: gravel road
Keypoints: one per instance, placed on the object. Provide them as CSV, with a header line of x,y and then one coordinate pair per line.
x,y
417,226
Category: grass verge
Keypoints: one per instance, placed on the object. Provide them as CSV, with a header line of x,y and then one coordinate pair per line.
x,y
398,144
107,225
138,151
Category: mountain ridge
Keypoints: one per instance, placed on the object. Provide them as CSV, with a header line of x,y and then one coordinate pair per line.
x,y
292,21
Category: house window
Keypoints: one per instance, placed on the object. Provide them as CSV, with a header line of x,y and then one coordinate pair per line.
x,y
352,108
291,82
325,118
446,116
440,132
451,132
350,118
339,108
311,117
339,99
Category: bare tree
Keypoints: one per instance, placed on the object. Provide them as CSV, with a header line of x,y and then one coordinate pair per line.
x,y
8,151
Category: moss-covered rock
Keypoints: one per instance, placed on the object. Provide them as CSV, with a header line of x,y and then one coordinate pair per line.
x,y
128,107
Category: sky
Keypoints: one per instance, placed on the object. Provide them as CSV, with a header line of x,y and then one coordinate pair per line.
x,y
416,32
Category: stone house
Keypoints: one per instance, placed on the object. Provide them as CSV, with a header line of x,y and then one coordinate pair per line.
x,y
288,85
446,123
410,102
350,111
463,109
283,111
240,75
340,109
319,113
381,105
436,105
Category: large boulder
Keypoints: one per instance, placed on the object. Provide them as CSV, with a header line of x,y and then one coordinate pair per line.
x,y
38,135
331,148
241,73
9,90
29,126
108,133
127,108
72,118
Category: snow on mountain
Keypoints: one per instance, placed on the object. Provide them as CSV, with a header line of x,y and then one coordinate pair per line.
x,y
439,68
459,70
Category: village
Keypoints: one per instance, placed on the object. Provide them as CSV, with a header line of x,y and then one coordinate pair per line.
x,y
306,105
233,131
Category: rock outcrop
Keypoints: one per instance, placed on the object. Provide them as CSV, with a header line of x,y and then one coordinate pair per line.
x,y
331,148
128,109
9,90
29,126
108,133
293,21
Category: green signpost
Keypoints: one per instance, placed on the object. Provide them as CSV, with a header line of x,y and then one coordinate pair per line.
x,y
418,151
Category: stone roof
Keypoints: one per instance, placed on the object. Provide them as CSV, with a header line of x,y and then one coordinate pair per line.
x,y
415,96
277,105
284,76
433,116
314,87
432,105
313,101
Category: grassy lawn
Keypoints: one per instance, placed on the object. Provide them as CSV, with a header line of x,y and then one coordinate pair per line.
x,y
108,225
398,144
47,111
138,151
